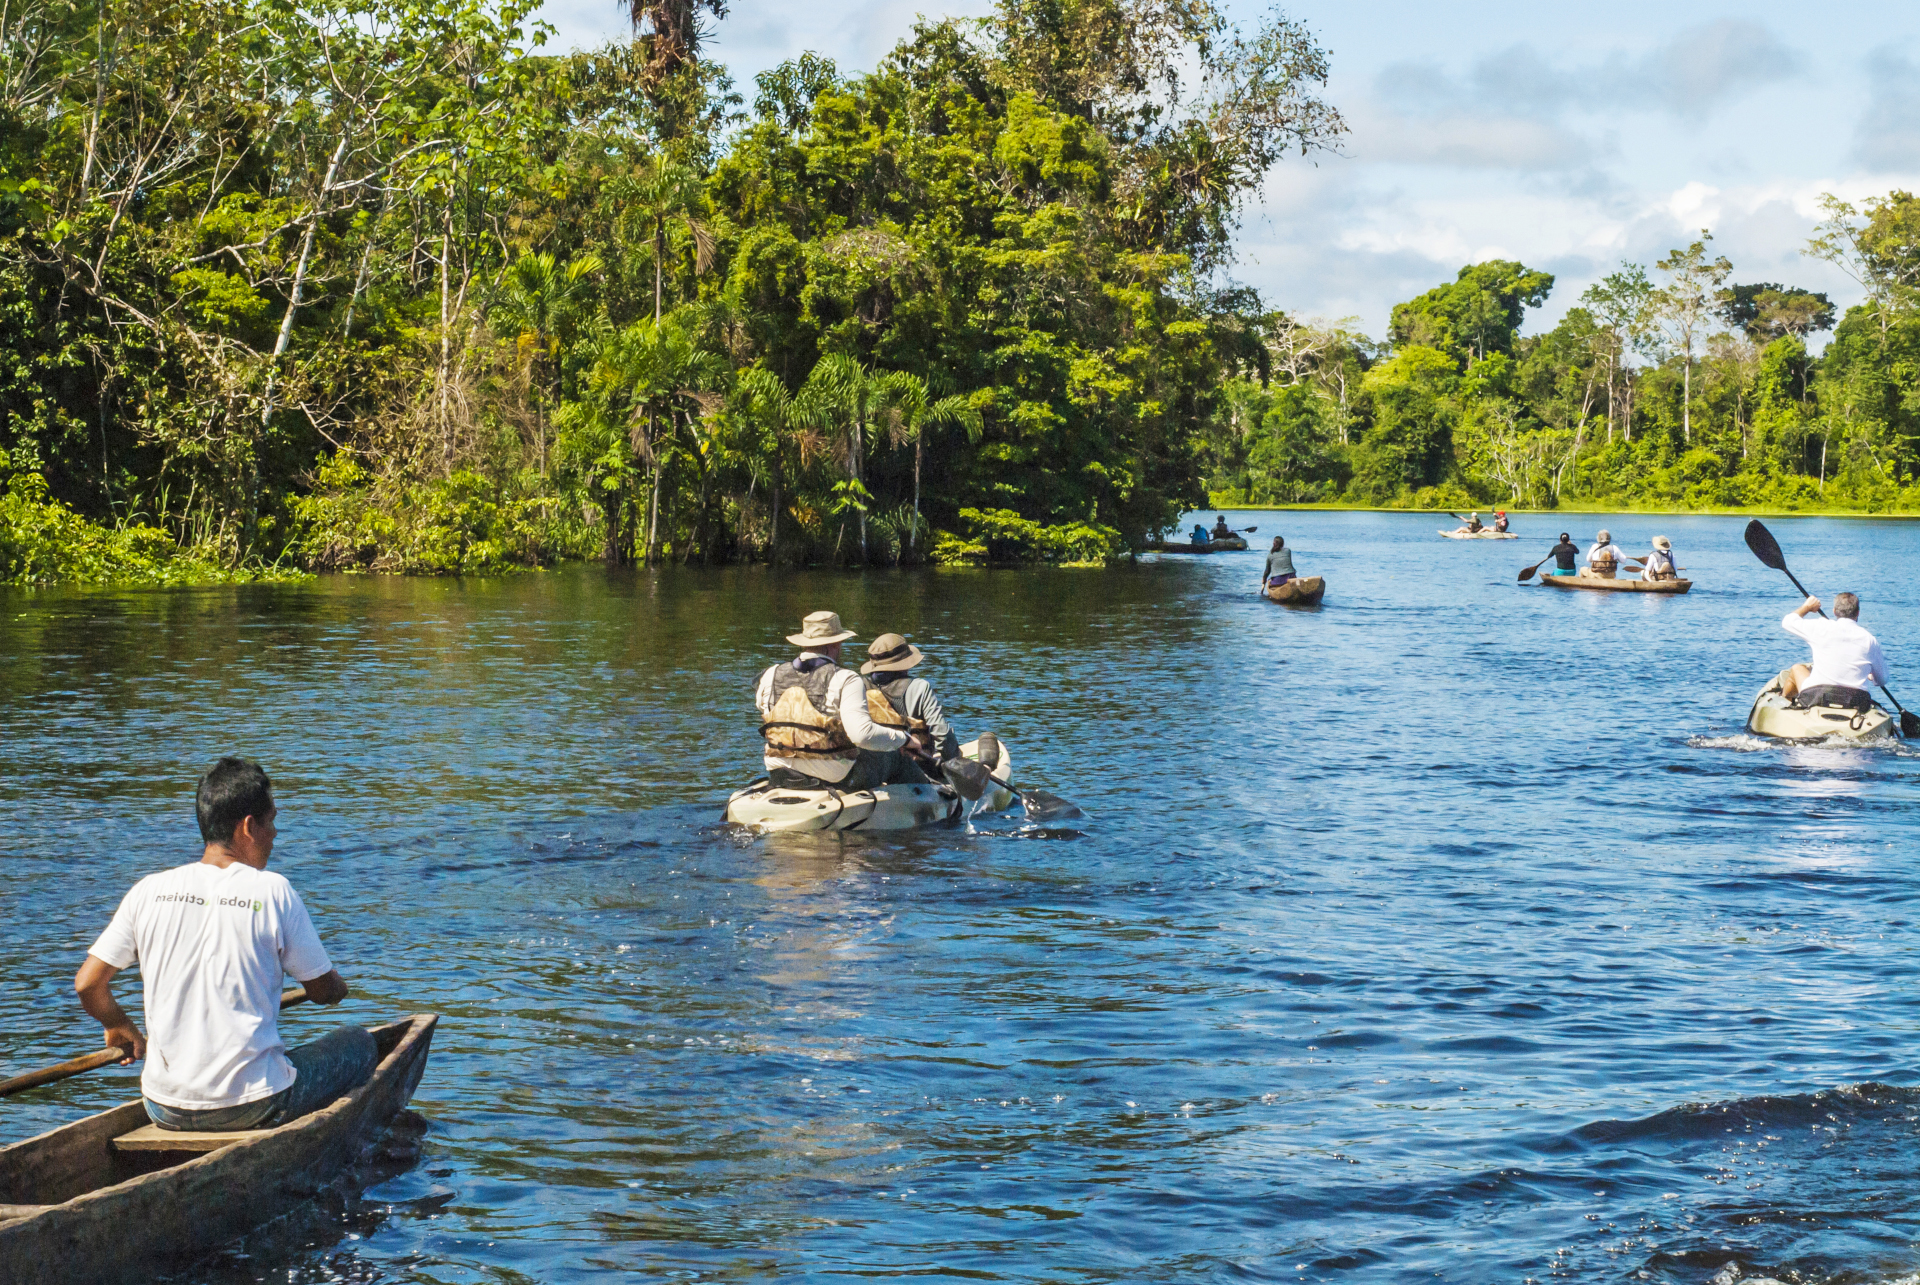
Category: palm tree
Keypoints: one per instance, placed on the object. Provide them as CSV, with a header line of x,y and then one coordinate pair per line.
x,y
538,301
847,395
906,415
666,192
665,374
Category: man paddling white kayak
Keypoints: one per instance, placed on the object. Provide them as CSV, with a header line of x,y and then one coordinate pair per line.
x,y
1845,656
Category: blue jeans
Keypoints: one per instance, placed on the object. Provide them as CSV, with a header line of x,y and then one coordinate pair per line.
x,y
340,1060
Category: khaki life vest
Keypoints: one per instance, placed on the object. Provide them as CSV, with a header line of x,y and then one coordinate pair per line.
x,y
895,694
801,723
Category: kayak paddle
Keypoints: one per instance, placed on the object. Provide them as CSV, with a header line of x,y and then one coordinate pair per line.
x,y
1767,549
93,1061
970,780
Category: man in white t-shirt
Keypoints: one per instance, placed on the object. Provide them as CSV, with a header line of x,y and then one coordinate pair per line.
x,y
1845,657
214,940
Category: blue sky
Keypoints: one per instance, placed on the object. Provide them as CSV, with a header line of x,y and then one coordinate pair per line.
x,y
1567,136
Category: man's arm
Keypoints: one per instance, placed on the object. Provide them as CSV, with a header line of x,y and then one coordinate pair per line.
x,y
1877,660
328,988
861,730
1796,623
946,745
93,984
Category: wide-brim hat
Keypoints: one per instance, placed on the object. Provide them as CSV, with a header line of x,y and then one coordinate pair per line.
x,y
890,652
821,629
1661,542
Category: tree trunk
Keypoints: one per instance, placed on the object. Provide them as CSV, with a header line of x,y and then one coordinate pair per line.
x,y
659,254
913,536
859,436
773,535
1686,395
653,511
282,339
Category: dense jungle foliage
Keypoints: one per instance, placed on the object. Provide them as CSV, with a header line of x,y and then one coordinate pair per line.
x,y
380,284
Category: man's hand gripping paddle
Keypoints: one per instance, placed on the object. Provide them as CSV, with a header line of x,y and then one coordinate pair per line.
x,y
970,780
105,1057
1767,549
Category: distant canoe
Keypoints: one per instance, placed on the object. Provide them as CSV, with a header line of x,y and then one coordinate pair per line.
x,y
1302,591
111,1198
1188,546
1484,533
1617,586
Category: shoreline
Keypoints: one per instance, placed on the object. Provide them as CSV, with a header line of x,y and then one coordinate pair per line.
x,y
1569,510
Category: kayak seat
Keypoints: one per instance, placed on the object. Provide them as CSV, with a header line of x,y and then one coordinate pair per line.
x,y
152,1137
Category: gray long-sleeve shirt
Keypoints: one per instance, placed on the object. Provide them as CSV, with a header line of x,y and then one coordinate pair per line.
x,y
925,706
1280,563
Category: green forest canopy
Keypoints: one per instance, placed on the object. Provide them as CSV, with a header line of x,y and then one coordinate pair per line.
x,y
380,284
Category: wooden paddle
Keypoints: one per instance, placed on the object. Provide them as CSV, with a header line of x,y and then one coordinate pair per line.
x,y
105,1057
1767,549
1527,574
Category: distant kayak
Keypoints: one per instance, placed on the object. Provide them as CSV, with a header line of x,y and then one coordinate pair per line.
x,y
1484,533
1617,586
1774,717
1301,591
1188,546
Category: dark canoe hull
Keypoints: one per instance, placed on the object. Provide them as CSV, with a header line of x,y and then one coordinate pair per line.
x,y
1188,546
106,1217
1617,586
1303,591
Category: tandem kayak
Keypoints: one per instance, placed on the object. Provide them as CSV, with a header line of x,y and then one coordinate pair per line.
x,y
113,1198
1617,585
1485,533
1301,591
1774,717
1187,546
765,807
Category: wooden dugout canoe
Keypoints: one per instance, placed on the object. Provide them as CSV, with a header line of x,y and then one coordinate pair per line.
x,y
1187,546
1304,591
1617,586
112,1199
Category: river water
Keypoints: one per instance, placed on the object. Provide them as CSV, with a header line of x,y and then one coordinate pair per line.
x,y
1453,931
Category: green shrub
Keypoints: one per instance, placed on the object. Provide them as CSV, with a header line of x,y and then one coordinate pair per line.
x,y
1001,536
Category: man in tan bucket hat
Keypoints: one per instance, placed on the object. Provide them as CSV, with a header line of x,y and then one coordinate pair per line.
x,y
818,719
889,658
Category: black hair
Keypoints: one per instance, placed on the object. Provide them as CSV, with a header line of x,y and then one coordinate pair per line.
x,y
232,790
1846,606
1565,536
1278,543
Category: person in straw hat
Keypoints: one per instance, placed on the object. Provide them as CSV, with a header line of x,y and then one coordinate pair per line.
x,y
1660,563
819,719
1604,558
890,657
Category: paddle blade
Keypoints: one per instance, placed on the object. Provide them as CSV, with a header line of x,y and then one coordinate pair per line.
x,y
1250,530
1044,807
1764,546
968,778
1909,724
1526,573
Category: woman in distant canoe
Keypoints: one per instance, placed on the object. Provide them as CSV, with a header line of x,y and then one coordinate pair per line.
x,y
1279,566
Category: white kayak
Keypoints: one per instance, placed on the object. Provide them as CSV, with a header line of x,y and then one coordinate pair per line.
x,y
765,807
1484,533
1774,717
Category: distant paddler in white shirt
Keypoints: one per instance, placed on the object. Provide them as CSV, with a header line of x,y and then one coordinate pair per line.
x,y
1845,657
819,720
214,940
1604,558
1660,563
930,738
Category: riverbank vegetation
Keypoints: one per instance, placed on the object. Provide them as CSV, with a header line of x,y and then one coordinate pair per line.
x,y
386,285
382,284
1667,386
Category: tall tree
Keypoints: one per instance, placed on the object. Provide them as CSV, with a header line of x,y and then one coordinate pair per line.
x,y
1689,304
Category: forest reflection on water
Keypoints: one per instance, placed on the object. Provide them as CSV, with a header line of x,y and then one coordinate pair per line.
x,y
1455,931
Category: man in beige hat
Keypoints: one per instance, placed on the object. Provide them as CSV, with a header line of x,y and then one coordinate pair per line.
x,y
818,718
1660,563
889,658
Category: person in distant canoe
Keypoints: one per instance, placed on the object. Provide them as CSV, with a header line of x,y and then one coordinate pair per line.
x,y
213,940
1199,535
1500,521
1221,531
1472,525
819,719
1660,563
1566,556
1845,657
1604,558
1279,566
917,709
